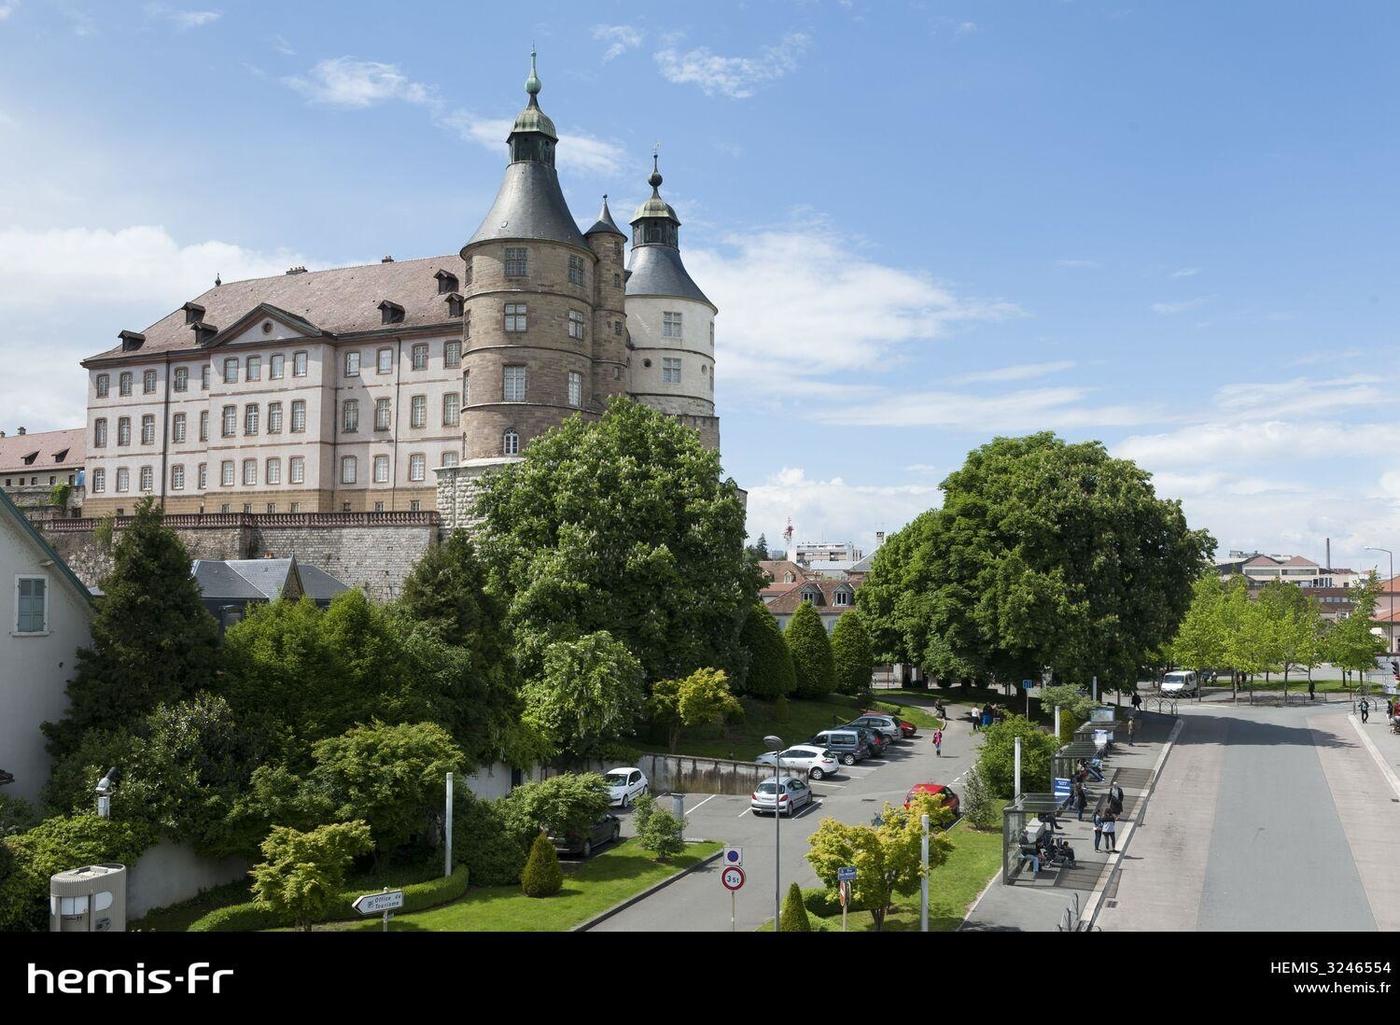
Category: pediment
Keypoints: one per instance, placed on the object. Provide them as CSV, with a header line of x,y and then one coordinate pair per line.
x,y
266,323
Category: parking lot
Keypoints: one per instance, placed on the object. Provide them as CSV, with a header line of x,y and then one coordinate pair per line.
x,y
856,794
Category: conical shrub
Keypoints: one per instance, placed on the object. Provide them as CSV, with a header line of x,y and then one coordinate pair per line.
x,y
794,917
542,876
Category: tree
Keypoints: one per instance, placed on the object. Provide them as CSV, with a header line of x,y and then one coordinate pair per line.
x,y
771,673
851,654
456,626
1351,644
589,693
567,803
760,548
1200,640
620,525
1297,626
152,639
1251,640
701,699
794,916
304,872
1043,553
811,652
662,834
542,876
887,857
997,760
980,805
390,777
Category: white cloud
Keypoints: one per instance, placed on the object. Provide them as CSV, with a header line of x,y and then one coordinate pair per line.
x,y
280,44
1026,410
1169,309
182,20
835,509
966,28
620,39
353,83
1186,272
7,9
1078,264
735,77
837,310
1019,372
1234,443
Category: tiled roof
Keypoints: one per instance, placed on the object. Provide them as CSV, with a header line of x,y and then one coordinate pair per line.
x,y
792,598
775,568
341,301
44,446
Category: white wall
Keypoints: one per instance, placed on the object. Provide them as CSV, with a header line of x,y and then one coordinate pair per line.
x,y
169,873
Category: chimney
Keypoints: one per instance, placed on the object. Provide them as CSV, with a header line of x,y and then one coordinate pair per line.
x,y
1329,555
879,538
21,430
387,259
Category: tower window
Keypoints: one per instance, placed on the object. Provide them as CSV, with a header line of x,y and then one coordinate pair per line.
x,y
575,388
576,325
670,325
576,269
670,370
515,316
513,379
517,265
617,328
510,443
617,281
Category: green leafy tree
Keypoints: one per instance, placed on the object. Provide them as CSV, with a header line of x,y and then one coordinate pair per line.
x,y
56,845
794,916
1350,644
567,803
391,777
1297,625
621,525
851,654
303,872
887,857
590,693
1200,640
701,699
811,652
980,804
771,673
1043,553
1252,643
997,760
152,640
662,834
542,876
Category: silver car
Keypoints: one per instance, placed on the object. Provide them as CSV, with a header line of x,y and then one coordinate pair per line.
x,y
816,762
785,796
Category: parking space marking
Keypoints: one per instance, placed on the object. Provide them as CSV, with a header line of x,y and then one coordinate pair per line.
x,y
824,783
702,803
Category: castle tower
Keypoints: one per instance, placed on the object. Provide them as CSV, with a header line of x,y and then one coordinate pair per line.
x,y
672,323
529,303
609,308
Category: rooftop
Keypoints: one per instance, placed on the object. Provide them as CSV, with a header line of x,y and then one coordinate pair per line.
x,y
50,450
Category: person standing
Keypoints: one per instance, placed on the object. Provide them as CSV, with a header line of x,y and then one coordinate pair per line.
x,y
1365,709
1311,689
1081,799
1110,831
976,718
1115,799
1098,828
938,742
1132,728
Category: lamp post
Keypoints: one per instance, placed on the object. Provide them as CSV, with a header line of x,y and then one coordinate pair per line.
x,y
776,743
1389,586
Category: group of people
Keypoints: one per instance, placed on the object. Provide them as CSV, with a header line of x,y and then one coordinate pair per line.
x,y
986,715
1106,814
1046,849
1392,712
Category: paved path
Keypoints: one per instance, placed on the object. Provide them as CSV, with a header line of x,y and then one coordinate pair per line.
x,y
1263,818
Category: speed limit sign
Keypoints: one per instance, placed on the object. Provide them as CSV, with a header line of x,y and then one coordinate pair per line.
x,y
732,877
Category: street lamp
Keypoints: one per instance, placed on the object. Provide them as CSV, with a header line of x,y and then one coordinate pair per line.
x,y
776,743
104,789
1389,586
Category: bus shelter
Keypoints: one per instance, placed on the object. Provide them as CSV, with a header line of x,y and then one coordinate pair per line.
x,y
1021,816
1065,762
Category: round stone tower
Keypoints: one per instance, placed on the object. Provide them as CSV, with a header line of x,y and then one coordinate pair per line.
x,y
609,308
672,323
530,325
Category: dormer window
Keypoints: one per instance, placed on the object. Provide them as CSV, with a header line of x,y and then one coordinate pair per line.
x,y
843,597
390,312
203,333
131,340
194,313
446,282
59,457
455,304
809,596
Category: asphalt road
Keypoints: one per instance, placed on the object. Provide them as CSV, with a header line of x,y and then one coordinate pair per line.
x,y
700,903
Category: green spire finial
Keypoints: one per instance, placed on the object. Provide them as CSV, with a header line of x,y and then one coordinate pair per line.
x,y
532,84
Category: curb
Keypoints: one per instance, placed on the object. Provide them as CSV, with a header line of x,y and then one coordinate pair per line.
x,y
1379,758
637,898
1095,902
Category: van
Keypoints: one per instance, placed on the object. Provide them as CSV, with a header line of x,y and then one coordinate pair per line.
x,y
1181,682
846,745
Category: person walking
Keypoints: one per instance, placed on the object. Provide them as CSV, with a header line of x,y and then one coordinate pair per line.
x,y
1115,799
1365,709
1311,689
938,742
1098,828
976,718
1137,701
1110,831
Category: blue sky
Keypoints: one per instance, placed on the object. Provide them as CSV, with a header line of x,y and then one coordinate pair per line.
x,y
1168,226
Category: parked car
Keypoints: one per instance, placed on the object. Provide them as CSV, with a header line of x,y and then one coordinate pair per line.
x,y
816,762
625,785
846,745
782,796
886,725
606,830
1181,682
874,739
905,726
949,798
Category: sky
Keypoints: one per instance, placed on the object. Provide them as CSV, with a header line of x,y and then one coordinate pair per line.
x,y
1170,227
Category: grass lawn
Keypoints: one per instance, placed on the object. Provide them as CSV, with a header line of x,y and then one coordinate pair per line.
x,y
590,888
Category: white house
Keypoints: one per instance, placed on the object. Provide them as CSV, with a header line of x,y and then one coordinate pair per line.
x,y
45,617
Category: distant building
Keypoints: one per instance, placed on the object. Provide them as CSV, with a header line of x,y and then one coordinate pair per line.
x,y
47,617
782,575
822,554
832,599
228,587
32,466
1259,569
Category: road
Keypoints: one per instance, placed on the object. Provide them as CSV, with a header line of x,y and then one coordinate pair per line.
x,y
699,902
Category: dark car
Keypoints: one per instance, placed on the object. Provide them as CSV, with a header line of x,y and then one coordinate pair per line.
x,y
605,830
845,744
874,739
950,799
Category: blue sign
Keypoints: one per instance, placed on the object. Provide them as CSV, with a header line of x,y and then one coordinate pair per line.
x,y
1062,788
1025,684
846,875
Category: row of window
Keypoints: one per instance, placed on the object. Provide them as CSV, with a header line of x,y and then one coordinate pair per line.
x,y
417,415
417,467
418,355
272,472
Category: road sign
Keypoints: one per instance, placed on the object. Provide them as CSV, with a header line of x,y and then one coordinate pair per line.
x,y
1062,787
734,856
378,903
732,878
846,874
1025,684
844,895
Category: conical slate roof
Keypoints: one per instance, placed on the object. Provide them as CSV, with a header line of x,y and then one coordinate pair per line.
x,y
605,222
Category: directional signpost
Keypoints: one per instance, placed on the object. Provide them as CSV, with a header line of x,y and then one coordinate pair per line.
x,y
733,879
379,903
845,876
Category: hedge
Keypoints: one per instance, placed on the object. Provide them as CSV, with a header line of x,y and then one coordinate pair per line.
x,y
416,897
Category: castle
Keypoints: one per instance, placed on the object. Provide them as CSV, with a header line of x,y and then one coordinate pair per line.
x,y
354,389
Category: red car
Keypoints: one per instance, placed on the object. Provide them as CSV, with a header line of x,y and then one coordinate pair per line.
x,y
906,728
949,798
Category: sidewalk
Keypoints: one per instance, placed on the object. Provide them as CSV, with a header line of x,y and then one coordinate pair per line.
x,y
1386,743
1040,905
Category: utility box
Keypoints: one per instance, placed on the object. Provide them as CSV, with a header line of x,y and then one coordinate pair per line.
x,y
88,899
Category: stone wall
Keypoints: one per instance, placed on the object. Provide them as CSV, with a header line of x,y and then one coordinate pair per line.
x,y
169,873
373,551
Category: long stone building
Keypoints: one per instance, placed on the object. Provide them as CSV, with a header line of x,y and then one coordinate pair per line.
x,y
352,389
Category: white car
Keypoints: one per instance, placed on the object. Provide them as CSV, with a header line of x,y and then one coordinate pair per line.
x,y
625,785
1181,682
816,762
